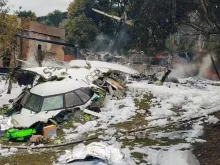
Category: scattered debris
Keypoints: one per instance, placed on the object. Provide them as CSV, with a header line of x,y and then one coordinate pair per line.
x,y
58,93
112,101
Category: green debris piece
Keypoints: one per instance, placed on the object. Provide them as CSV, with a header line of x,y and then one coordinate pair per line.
x,y
99,92
15,135
158,82
96,97
87,117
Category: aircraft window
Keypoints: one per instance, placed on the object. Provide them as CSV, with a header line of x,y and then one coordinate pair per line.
x,y
72,100
52,103
85,97
33,103
26,96
88,91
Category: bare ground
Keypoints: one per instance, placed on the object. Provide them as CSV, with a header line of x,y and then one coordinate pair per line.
x,y
208,153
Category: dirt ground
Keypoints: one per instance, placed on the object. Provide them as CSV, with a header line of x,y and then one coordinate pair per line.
x,y
209,153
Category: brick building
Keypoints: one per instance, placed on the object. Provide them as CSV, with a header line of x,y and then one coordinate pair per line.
x,y
27,48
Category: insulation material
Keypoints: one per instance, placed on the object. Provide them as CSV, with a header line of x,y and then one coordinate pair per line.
x,y
101,151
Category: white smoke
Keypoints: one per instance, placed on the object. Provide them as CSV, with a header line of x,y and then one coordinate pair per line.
x,y
182,71
206,64
49,62
30,62
193,69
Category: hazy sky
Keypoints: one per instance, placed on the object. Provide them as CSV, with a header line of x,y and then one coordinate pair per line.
x,y
40,7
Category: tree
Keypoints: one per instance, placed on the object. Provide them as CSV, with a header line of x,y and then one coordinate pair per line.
x,y
203,23
106,26
79,7
54,18
206,18
81,31
80,28
9,27
26,14
155,21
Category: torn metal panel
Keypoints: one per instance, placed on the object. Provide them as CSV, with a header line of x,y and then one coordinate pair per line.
x,y
115,89
86,75
93,113
120,19
104,66
45,72
27,77
111,92
115,84
119,93
25,119
118,76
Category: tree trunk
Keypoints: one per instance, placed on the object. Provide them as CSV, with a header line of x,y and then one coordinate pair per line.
x,y
40,63
9,86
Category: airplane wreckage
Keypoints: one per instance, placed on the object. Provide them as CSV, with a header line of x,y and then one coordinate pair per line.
x,y
53,94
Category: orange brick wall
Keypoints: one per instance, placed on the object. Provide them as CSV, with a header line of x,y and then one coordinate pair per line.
x,y
68,58
29,47
49,30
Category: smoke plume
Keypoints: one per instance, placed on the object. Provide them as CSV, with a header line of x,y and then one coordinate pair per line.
x,y
198,68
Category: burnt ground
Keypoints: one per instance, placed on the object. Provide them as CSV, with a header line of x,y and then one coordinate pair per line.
x,y
209,153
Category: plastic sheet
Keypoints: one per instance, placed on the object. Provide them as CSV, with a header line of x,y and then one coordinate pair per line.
x,y
102,151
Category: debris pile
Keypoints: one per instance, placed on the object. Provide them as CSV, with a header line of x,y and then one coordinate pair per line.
x,y
54,95
94,101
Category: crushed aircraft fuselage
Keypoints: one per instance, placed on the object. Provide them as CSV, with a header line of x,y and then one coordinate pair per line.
x,y
44,81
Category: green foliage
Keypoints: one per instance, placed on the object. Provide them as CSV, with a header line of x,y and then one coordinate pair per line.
x,y
209,15
97,22
8,28
173,46
26,14
76,8
154,22
79,7
81,30
54,18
